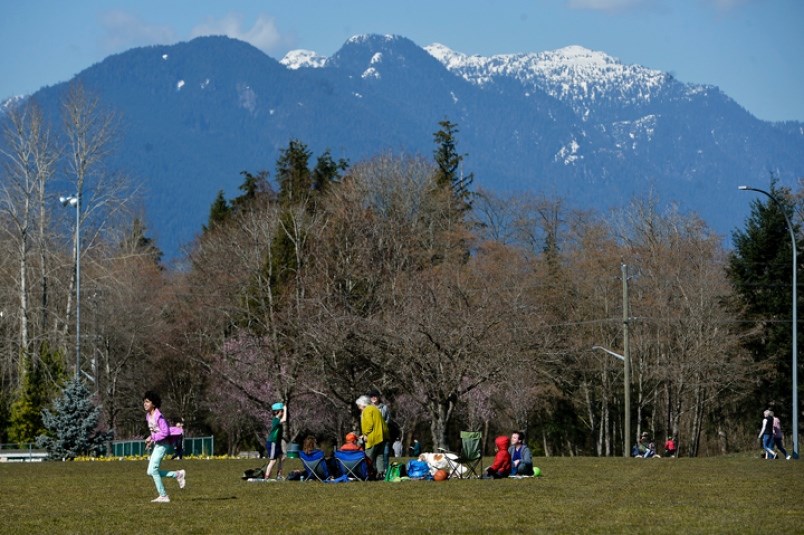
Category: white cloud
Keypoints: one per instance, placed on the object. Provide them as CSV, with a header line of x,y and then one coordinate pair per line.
x,y
606,5
122,30
263,34
727,5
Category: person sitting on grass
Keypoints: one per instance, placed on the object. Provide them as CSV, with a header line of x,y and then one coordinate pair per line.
x,y
521,458
351,443
501,466
647,448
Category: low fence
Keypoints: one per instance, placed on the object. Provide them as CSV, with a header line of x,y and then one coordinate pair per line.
x,y
21,453
192,446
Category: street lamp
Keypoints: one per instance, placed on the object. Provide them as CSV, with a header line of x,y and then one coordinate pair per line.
x,y
795,314
626,400
74,200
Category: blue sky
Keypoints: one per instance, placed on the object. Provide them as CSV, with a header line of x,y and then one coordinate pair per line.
x,y
752,49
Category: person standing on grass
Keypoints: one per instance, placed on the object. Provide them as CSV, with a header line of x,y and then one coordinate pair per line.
x,y
273,445
177,437
375,433
778,436
670,447
159,440
386,415
766,434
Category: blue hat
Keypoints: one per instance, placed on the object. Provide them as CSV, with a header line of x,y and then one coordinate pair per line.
x,y
278,406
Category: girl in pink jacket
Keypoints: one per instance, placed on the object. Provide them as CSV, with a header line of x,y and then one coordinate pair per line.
x,y
159,439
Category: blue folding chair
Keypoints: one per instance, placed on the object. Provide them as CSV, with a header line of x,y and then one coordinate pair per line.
x,y
353,464
315,466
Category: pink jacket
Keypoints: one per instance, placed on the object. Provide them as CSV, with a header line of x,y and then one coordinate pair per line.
x,y
158,426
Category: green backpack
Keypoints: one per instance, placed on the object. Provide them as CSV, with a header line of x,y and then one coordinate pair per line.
x,y
393,473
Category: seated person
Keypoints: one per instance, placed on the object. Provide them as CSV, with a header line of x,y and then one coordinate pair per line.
x,y
501,466
351,443
647,448
521,458
670,447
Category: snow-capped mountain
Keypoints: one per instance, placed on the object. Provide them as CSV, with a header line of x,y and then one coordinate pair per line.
x,y
572,122
299,59
584,79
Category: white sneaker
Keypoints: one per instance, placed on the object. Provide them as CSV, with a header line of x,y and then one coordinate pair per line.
x,y
161,499
788,457
180,477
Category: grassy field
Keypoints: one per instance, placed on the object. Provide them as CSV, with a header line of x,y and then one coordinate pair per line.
x,y
586,495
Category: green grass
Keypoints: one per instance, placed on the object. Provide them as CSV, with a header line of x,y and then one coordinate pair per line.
x,y
714,495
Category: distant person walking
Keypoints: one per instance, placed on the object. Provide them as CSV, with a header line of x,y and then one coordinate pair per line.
x,y
778,436
159,440
766,434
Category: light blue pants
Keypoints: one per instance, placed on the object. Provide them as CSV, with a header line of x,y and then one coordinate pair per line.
x,y
158,452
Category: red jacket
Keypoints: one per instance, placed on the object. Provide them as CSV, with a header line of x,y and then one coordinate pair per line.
x,y
502,461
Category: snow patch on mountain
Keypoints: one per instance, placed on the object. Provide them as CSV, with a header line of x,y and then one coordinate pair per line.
x,y
299,59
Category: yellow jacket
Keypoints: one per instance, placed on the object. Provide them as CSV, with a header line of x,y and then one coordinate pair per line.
x,y
373,426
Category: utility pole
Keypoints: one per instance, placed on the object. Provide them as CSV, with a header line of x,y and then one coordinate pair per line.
x,y
626,367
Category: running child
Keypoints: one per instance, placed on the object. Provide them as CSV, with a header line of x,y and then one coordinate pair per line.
x,y
159,439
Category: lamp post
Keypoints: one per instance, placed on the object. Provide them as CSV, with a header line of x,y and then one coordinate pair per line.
x,y
74,200
626,401
795,313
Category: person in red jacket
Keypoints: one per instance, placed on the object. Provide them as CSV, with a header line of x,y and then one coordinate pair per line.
x,y
502,460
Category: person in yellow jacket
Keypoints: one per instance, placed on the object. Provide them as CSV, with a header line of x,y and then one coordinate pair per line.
x,y
375,433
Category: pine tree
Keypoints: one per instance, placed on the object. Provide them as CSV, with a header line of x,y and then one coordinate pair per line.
x,y
39,387
73,426
218,212
760,271
449,174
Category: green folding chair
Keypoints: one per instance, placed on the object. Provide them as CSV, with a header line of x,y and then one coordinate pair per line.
x,y
469,461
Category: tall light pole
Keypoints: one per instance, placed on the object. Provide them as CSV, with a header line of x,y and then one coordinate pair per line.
x,y
626,400
75,200
795,313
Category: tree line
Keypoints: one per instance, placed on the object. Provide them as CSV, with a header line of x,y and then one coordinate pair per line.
x,y
467,309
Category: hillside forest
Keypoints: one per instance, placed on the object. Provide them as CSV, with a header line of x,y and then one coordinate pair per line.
x,y
467,309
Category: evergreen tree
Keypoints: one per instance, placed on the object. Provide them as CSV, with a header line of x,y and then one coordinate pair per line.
x,y
138,242
760,270
218,212
253,187
73,426
449,174
293,175
326,172
38,388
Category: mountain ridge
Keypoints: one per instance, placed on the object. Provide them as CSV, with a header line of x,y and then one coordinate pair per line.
x,y
572,122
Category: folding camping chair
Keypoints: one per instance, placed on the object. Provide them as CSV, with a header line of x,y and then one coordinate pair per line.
x,y
315,466
353,464
469,459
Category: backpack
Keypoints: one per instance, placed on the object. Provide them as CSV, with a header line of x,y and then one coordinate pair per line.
x,y
418,469
394,473
253,473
